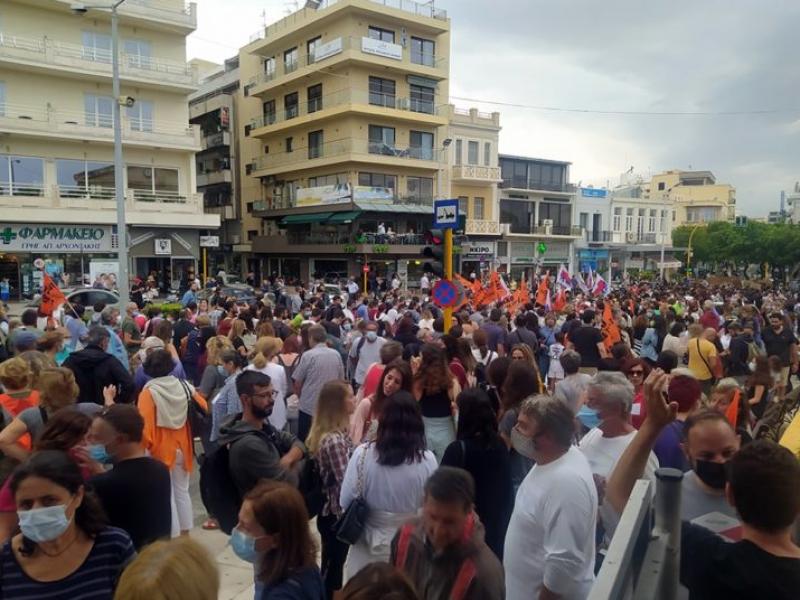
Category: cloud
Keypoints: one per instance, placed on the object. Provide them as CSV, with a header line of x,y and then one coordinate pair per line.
x,y
616,55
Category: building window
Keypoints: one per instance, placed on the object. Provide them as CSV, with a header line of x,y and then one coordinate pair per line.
x,y
459,149
382,92
518,214
290,105
290,144
421,145
140,115
651,222
472,153
477,208
384,35
79,177
269,67
290,60
381,140
315,98
21,176
640,222
628,219
463,205
315,144
422,99
663,225
661,186
616,222
583,220
98,110
268,111
249,206
420,188
560,213
96,47
147,182
487,154
137,54
321,180
311,48
251,234
423,52
379,180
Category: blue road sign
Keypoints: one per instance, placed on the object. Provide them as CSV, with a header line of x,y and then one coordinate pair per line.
x,y
445,214
445,293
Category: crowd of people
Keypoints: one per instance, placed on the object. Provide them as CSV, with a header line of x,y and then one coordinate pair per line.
x,y
486,458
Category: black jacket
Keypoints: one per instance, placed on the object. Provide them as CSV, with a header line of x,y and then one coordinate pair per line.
x,y
94,369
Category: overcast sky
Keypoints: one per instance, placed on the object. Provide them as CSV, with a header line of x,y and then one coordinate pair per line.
x,y
710,56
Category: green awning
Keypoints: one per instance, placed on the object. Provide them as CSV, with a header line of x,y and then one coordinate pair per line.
x,y
303,219
344,217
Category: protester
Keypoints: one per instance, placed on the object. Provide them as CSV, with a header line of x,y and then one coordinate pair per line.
x,y
395,376
703,359
378,581
436,389
443,551
15,376
95,369
521,382
587,341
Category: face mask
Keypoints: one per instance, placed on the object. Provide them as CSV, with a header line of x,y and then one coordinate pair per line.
x,y
347,326
221,370
307,314
372,336
243,545
523,444
97,452
43,524
711,473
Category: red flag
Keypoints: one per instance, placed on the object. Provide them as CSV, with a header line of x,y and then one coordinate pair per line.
x,y
611,333
561,300
52,297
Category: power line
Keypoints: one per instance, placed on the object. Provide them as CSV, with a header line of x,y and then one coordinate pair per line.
x,y
672,113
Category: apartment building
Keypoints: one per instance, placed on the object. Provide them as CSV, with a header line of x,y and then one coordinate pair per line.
x,y
56,141
214,108
345,111
473,178
697,196
537,212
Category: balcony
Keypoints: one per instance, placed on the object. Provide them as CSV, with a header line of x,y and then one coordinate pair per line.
x,y
343,151
482,227
522,183
165,15
341,243
362,50
543,230
45,54
216,140
622,237
214,178
475,175
73,204
52,123
334,104
226,213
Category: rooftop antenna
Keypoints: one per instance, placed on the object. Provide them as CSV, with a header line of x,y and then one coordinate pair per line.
x,y
292,7
264,17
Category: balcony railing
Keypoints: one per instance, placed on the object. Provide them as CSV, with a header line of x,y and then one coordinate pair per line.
x,y
93,197
476,173
96,126
523,183
95,60
482,227
342,148
397,239
570,230
173,11
344,98
214,177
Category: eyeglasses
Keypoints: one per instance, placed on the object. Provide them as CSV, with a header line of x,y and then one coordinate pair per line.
x,y
637,373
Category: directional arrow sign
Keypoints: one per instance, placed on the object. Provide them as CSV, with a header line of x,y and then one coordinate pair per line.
x,y
445,214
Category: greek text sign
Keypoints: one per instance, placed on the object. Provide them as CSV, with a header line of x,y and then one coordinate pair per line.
x,y
16,237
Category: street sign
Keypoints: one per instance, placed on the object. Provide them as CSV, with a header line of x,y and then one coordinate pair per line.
x,y
445,214
445,293
365,268
209,241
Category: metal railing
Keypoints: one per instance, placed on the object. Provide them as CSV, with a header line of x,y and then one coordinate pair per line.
x,y
570,230
89,58
172,11
92,192
417,8
158,196
523,183
21,189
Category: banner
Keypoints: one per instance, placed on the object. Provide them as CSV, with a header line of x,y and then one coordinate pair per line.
x,y
324,195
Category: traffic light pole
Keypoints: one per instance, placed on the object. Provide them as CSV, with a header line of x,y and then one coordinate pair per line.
x,y
448,274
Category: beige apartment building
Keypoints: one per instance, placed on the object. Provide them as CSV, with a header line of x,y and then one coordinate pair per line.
x,y
57,197
345,114
695,195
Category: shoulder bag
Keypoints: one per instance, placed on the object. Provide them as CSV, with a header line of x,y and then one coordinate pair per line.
x,y
351,525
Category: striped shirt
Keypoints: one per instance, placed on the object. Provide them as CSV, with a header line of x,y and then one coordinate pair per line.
x,y
95,579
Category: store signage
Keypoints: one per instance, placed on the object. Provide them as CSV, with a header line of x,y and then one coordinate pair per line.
x,y
209,241
163,246
380,48
593,192
478,249
55,238
327,50
324,194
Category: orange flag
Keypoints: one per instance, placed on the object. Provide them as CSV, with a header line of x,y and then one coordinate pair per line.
x,y
541,291
611,333
561,300
732,412
52,297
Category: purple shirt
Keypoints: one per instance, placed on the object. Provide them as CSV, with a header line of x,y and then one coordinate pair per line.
x,y
668,447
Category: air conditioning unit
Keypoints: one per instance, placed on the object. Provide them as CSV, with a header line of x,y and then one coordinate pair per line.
x,y
630,237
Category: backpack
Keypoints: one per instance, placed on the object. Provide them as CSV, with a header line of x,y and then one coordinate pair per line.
x,y
310,486
217,489
354,360
777,417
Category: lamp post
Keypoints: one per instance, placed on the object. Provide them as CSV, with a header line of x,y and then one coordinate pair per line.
x,y
123,285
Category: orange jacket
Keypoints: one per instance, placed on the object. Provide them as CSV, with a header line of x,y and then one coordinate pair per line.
x,y
163,443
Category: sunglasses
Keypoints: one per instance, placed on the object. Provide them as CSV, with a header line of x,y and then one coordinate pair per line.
x,y
636,373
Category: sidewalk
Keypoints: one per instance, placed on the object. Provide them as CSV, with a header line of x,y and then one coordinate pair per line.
x,y
236,576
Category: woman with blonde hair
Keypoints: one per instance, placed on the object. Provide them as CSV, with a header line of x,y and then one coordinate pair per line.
x,y
178,569
236,336
331,447
214,375
16,376
264,351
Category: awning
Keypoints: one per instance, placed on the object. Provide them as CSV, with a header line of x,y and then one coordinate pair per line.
x,y
344,217
303,219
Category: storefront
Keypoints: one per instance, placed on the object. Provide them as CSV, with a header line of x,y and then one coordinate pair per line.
x,y
69,251
477,257
170,257
525,257
596,259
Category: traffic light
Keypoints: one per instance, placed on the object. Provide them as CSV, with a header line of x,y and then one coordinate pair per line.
x,y
433,252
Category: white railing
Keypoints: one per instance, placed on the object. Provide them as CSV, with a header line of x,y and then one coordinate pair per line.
x,y
92,192
417,8
98,60
34,190
482,227
48,197
172,11
476,172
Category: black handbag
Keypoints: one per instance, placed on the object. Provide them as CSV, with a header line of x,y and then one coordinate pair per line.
x,y
350,526
199,419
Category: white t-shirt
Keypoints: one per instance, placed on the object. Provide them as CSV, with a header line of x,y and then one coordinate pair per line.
x,y
550,537
277,375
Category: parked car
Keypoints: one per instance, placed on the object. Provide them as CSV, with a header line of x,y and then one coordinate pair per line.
x,y
86,297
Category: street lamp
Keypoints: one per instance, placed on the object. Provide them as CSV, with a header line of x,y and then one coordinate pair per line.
x,y
119,189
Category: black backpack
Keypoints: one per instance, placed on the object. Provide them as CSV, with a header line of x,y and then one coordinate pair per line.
x,y
310,486
217,489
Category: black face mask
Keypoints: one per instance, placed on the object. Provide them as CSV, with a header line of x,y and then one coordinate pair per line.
x,y
713,474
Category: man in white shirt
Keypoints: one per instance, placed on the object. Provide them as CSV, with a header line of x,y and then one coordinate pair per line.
x,y
549,549
352,288
424,284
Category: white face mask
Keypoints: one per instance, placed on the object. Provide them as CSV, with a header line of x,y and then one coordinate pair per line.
x,y
43,524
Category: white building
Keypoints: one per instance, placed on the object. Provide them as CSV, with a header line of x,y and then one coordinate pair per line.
x,y
56,170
